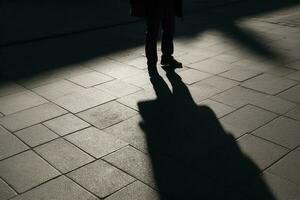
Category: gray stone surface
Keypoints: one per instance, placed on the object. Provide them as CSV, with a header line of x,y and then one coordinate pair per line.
x,y
288,167
101,178
292,94
63,155
283,131
239,96
117,69
95,142
191,76
117,88
130,132
133,162
25,171
26,118
269,84
107,114
6,192
36,135
211,66
9,88
294,65
135,191
240,74
294,76
219,109
133,99
59,188
90,79
295,113
57,89
281,188
19,101
261,152
248,118
10,144
66,124
83,100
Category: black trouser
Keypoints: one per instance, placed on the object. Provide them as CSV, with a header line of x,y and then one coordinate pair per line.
x,y
167,22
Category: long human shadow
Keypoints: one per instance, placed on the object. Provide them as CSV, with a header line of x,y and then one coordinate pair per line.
x,y
30,58
192,156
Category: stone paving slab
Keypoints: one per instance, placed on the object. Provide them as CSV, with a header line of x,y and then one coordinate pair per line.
x,y
36,135
9,144
26,170
59,188
101,178
82,119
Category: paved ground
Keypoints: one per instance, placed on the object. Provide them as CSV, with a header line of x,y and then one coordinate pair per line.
x,y
101,128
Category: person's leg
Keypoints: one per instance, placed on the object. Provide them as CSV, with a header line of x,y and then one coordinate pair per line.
x,y
168,26
167,45
153,24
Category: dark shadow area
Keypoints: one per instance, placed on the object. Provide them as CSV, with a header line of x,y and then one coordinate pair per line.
x,y
192,156
27,59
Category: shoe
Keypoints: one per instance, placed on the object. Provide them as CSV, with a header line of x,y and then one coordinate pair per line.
x,y
170,61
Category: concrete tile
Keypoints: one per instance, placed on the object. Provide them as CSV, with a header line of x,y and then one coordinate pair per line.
x,y
25,171
118,88
135,191
283,131
294,65
9,144
58,89
1,115
83,100
211,66
19,101
36,135
95,142
29,117
218,108
6,192
63,155
190,58
218,83
281,189
101,178
59,188
90,79
134,163
39,80
269,84
240,74
133,99
239,96
294,76
107,114
10,88
70,71
292,94
226,58
140,80
261,152
191,76
66,124
117,69
130,132
295,113
96,62
288,167
248,118
139,62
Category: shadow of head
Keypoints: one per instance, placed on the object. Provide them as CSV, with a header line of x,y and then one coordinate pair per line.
x,y
192,156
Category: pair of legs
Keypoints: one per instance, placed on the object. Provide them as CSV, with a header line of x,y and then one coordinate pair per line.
x,y
167,22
